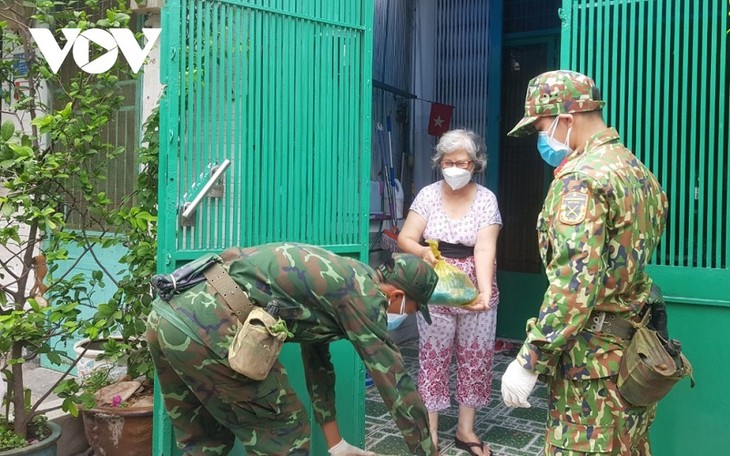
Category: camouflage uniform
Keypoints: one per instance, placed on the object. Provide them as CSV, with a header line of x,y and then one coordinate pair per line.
x,y
603,216
323,297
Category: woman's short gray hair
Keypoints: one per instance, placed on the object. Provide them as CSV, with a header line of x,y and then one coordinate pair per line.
x,y
461,138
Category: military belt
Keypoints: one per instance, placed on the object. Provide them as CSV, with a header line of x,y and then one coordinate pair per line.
x,y
228,290
611,323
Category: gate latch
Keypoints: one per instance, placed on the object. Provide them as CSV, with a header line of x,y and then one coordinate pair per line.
x,y
213,188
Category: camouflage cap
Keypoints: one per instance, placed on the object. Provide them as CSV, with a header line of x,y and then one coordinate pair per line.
x,y
557,92
412,275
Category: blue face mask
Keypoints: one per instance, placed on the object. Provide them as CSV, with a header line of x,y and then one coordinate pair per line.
x,y
551,150
396,319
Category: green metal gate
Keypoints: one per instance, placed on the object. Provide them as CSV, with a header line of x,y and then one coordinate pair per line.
x,y
662,66
265,136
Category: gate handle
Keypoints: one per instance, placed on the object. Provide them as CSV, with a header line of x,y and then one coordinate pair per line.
x,y
189,208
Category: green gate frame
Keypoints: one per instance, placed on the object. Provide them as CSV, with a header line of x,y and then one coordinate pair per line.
x,y
662,67
277,96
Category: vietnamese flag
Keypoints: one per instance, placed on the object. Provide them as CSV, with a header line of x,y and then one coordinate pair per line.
x,y
438,121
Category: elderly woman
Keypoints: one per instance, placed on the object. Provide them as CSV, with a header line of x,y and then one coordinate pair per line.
x,y
464,217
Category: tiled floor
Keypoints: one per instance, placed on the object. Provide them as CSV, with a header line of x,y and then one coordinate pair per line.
x,y
509,432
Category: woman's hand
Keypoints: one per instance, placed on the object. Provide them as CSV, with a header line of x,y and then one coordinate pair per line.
x,y
481,303
428,256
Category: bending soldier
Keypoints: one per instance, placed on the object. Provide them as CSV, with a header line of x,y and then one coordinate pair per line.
x,y
321,297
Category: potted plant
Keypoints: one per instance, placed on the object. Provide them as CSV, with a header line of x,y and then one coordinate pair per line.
x,y
56,213
119,422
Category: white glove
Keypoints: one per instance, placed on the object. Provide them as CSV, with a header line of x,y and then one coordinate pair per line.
x,y
345,449
517,384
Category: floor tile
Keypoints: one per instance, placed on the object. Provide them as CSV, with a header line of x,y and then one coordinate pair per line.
x,y
509,432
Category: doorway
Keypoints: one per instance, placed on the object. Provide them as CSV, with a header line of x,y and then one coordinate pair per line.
x,y
524,177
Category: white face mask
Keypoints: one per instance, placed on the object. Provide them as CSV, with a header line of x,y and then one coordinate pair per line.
x,y
456,177
396,319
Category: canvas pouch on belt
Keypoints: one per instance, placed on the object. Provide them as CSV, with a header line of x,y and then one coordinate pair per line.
x,y
259,338
256,346
651,366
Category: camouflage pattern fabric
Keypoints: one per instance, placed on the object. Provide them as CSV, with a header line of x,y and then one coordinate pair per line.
x,y
322,297
590,417
210,404
600,224
557,92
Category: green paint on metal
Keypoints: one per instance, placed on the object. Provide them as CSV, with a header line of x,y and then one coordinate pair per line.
x,y
662,65
282,90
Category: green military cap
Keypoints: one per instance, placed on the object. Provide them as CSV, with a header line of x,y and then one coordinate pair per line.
x,y
557,92
412,275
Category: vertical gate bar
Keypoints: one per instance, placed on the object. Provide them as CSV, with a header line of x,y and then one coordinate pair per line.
x,y
274,154
584,59
279,134
171,61
604,64
318,115
195,133
328,145
714,230
630,101
256,118
568,44
351,132
657,16
586,63
365,70
224,134
620,67
233,227
244,125
188,160
721,130
641,97
285,141
681,136
342,153
268,146
613,74
304,49
701,46
252,94
597,25
204,230
669,41
290,139
694,237
217,129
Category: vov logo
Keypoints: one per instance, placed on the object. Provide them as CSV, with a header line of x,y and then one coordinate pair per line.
x,y
113,40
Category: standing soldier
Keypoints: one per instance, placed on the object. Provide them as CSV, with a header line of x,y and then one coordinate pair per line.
x,y
601,221
320,297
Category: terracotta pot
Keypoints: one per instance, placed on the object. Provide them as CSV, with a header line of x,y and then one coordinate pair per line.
x,y
46,447
119,431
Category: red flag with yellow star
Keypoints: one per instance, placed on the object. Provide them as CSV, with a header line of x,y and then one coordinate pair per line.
x,y
438,121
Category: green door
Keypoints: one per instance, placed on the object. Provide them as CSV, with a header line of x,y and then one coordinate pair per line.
x,y
265,136
662,69
524,179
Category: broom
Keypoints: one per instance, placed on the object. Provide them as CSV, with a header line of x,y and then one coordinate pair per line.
x,y
389,237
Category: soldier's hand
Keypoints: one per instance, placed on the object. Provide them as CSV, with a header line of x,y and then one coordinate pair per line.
x,y
517,384
345,449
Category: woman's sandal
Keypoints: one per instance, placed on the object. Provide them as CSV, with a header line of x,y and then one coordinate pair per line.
x,y
467,446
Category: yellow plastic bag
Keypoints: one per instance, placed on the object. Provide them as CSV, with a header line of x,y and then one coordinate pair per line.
x,y
454,287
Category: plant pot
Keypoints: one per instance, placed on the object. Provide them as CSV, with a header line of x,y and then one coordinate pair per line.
x,y
90,359
119,431
46,447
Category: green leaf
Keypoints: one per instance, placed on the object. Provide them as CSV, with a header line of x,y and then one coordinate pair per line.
x,y
7,130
